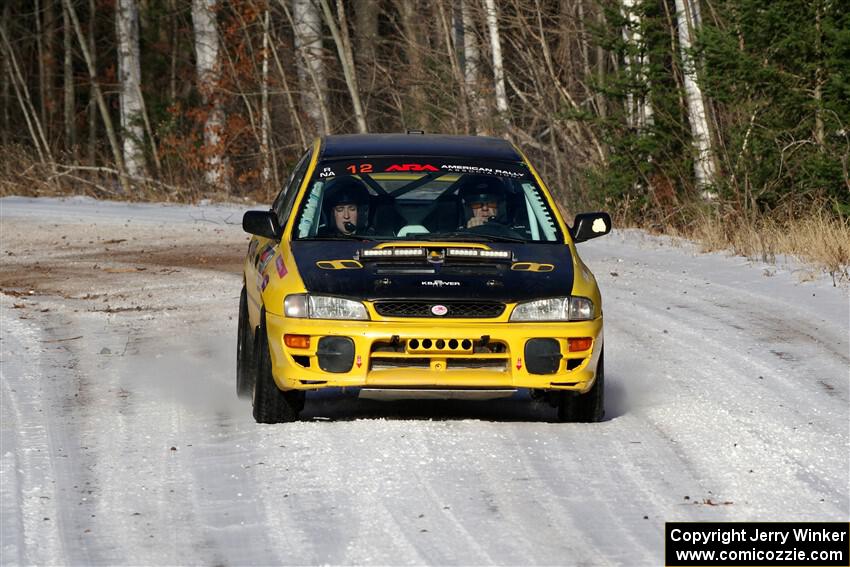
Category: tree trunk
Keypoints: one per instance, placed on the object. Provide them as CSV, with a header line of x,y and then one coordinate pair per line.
x,y
290,102
366,17
498,67
601,70
42,71
343,47
68,75
50,61
455,64
131,104
687,16
265,118
413,78
101,103
22,93
175,47
307,29
818,90
208,69
472,70
6,72
639,108
93,137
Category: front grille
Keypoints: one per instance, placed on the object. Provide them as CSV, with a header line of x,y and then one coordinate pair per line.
x,y
458,309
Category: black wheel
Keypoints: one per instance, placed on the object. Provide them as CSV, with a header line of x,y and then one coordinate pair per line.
x,y
588,407
271,404
245,357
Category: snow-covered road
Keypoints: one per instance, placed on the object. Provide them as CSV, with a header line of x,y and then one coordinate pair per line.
x,y
123,441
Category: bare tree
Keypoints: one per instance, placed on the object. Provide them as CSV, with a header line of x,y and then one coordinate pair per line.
x,y
366,38
472,68
413,80
688,18
343,46
101,102
31,116
307,29
498,66
208,68
638,108
265,118
68,80
290,102
6,72
131,104
91,61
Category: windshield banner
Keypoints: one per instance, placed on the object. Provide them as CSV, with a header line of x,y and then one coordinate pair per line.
x,y
421,165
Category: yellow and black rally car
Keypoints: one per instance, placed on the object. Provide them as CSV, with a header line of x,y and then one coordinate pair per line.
x,y
410,265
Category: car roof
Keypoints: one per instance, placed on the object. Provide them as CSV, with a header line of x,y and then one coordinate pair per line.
x,y
360,145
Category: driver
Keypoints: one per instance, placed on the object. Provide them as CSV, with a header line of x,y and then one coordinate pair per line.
x,y
483,201
346,207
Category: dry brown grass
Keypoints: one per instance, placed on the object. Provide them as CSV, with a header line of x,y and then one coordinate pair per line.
x,y
816,238
21,173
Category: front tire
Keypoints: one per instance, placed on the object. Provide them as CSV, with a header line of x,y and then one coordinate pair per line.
x,y
588,407
245,356
271,404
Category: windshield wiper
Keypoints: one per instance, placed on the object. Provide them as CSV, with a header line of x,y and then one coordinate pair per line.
x,y
472,237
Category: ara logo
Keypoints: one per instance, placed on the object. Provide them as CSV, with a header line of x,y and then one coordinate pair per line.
x,y
440,283
411,167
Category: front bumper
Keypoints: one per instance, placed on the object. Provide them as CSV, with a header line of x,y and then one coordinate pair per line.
x,y
431,354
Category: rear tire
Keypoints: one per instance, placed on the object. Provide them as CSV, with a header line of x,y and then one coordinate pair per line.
x,y
588,407
271,404
245,356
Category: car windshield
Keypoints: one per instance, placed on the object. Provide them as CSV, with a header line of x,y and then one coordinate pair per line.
x,y
416,198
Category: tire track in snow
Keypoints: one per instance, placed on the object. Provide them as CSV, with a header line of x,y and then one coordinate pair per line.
x,y
35,523
714,431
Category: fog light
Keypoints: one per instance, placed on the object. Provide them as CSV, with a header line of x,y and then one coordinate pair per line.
x,y
296,341
580,344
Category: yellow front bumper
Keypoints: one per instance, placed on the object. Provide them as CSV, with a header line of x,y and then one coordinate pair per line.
x,y
296,368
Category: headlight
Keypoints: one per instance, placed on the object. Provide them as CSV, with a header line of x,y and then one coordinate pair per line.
x,y
555,309
305,306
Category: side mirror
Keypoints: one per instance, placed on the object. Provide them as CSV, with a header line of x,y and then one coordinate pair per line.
x,y
261,223
590,225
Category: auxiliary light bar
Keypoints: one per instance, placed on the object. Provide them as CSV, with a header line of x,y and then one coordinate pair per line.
x,y
393,252
476,253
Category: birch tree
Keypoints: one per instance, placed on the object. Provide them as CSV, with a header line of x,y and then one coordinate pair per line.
x,y
687,20
131,104
498,66
638,107
307,30
265,119
209,73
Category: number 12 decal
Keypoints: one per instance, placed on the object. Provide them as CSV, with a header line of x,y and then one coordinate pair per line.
x,y
362,168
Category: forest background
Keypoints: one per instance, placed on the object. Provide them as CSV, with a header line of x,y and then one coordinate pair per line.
x,y
727,121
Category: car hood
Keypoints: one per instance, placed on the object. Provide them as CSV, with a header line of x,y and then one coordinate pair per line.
x,y
538,270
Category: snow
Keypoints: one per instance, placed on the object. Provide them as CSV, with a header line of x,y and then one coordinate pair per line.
x,y
122,440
